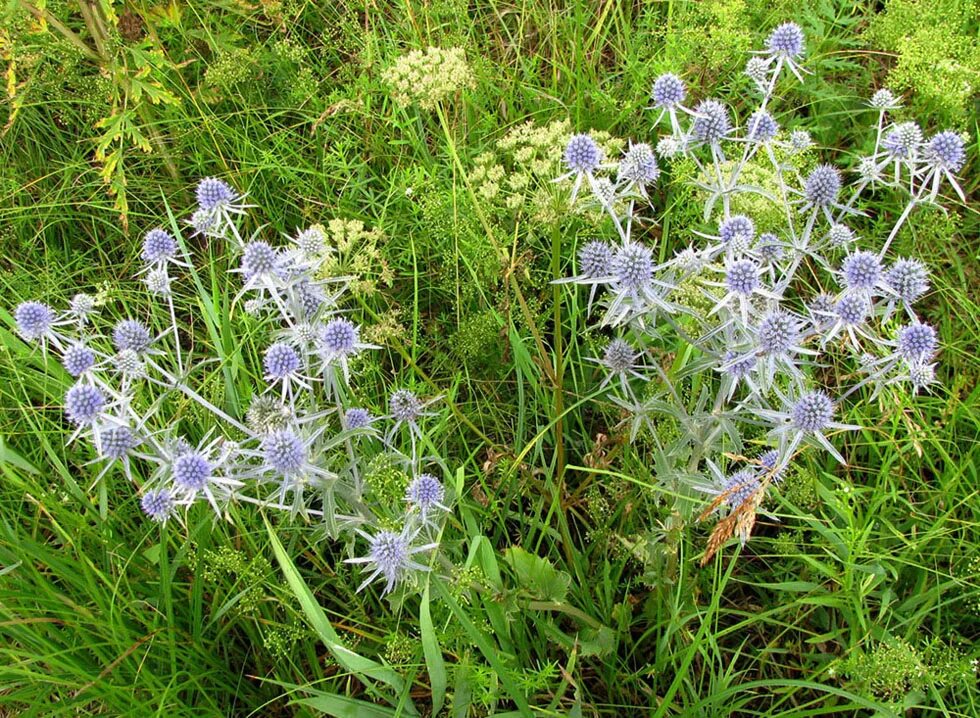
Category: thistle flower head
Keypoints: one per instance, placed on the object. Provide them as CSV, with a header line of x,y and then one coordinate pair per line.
x,y
884,99
128,363
711,122
78,359
390,554
852,309
639,166
284,452
158,281
192,471
582,154
280,361
266,413
131,335
946,150
340,336
757,70
618,356
903,140
310,296
840,235
426,492
34,319
786,41
117,442
668,91
777,332
737,488
822,185
668,147
158,504
357,418
742,276
595,259
921,374
812,412
800,140
158,246
861,271
84,403
917,341
204,220
405,406
213,193
821,305
762,126
82,305
633,266
312,242
738,228
259,259
908,278
769,247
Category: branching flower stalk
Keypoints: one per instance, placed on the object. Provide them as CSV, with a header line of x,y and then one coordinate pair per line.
x,y
301,448
759,332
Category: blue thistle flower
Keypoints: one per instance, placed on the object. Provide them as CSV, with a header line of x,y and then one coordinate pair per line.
x,y
405,406
340,337
786,41
158,505
737,229
946,150
737,488
390,555
668,91
310,296
840,235
902,142
34,320
84,403
583,155
158,246
711,122
633,266
769,247
117,442
639,167
357,418
800,140
280,361
778,332
742,276
619,356
81,306
762,127
917,342
426,492
909,279
813,412
884,99
131,335
862,271
192,471
284,452
203,221
213,193
595,259
78,359
822,186
852,309
259,259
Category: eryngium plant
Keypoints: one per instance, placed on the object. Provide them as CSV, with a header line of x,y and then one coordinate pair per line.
x,y
760,312
302,447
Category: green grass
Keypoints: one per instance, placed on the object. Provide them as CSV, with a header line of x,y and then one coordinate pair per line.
x,y
577,587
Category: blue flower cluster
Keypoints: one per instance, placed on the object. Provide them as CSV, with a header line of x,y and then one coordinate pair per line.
x,y
301,447
751,305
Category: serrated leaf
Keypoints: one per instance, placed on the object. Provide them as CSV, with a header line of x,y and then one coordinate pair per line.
x,y
537,576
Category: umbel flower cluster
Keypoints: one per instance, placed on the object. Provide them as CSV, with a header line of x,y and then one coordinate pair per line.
x,y
303,446
760,311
